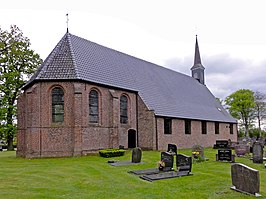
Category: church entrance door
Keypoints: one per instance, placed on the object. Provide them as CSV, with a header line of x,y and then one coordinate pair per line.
x,y
131,138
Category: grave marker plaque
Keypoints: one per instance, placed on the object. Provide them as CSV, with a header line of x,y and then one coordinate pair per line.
x,y
221,144
257,153
245,179
225,155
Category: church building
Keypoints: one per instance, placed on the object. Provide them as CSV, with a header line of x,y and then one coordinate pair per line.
x,y
86,97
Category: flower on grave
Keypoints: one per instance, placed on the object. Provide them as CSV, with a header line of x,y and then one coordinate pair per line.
x,y
161,165
195,153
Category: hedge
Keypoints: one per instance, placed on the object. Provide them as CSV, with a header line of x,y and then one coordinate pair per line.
x,y
111,152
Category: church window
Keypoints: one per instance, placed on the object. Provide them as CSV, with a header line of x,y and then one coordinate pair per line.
x,y
94,106
203,127
187,126
57,105
231,129
216,127
123,109
167,126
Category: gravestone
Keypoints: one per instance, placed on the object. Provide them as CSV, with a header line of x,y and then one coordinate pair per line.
x,y
245,179
183,163
241,149
172,148
225,155
136,155
221,144
257,153
198,152
261,140
168,159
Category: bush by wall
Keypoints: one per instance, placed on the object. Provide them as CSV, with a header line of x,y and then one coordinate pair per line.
x,y
111,152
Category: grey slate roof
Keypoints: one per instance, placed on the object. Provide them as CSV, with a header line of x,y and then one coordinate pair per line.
x,y
168,93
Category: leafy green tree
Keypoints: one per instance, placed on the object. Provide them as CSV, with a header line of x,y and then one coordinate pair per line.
x,y
260,108
17,63
241,106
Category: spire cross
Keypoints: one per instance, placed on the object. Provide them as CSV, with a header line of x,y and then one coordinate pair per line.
x,y
67,21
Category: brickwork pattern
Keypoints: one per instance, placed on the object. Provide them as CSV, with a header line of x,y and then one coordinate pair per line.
x,y
38,136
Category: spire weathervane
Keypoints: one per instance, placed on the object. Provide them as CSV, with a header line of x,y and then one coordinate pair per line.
x,y
67,21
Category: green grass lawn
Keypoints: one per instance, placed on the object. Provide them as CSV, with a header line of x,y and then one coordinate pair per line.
x,y
92,177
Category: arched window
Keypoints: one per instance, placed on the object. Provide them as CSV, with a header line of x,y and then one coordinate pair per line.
x,y
93,107
123,110
57,105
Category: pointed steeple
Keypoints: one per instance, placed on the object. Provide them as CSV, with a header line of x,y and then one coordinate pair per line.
x,y
197,59
197,69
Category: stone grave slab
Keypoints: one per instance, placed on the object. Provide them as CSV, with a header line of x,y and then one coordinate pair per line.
x,y
164,175
245,179
146,171
257,153
241,150
122,163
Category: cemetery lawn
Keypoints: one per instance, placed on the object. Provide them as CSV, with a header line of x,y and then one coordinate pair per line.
x,y
91,177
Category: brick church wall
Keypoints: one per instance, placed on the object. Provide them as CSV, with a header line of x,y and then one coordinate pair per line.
x,y
146,127
183,140
39,137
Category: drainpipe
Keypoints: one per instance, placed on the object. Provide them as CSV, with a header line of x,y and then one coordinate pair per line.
x,y
137,119
156,133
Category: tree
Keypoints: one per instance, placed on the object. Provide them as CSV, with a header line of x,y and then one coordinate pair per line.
x,y
260,108
241,106
17,63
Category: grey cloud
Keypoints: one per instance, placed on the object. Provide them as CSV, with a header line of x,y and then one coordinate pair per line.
x,y
226,74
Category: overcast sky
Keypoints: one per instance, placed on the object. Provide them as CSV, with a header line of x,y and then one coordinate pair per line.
x,y
231,33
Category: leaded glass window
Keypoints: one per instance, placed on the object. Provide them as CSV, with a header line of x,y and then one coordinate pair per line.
x,y
123,110
57,105
94,107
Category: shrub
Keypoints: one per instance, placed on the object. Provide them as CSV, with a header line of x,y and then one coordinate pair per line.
x,y
111,152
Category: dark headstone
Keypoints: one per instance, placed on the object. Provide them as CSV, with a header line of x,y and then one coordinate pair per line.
x,y
245,179
241,149
221,144
172,148
257,153
168,159
136,155
225,155
183,162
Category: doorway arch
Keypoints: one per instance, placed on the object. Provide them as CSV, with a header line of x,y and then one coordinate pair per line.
x,y
132,138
